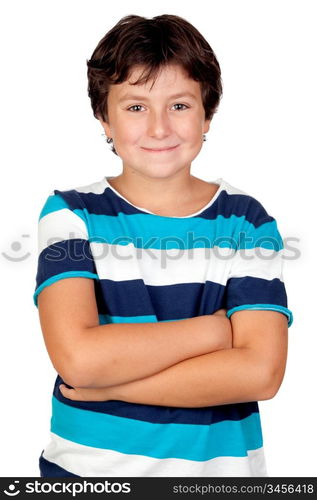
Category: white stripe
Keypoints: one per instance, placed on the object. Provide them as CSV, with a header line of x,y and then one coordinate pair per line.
x,y
96,187
232,189
258,262
160,267
60,225
168,267
86,461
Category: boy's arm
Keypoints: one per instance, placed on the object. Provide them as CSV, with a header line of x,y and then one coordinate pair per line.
x,y
252,370
120,353
100,356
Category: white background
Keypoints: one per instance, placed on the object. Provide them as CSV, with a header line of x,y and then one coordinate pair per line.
x,y
261,141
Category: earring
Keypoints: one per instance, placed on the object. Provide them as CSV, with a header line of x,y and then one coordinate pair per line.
x,y
204,137
108,139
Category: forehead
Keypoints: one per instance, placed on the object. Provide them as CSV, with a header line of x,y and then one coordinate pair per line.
x,y
170,79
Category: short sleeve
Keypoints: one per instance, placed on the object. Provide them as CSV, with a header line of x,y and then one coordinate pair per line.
x,y
63,245
255,280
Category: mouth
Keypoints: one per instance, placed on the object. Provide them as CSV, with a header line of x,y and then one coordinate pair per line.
x,y
160,150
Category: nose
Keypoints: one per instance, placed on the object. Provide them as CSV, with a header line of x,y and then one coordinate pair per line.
x,y
159,124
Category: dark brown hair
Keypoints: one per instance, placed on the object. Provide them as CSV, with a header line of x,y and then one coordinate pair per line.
x,y
152,43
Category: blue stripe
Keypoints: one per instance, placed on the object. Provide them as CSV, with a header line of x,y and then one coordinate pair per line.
x,y
105,319
52,204
162,414
263,307
108,203
151,231
49,469
190,442
68,274
251,290
67,255
154,231
132,298
166,302
132,301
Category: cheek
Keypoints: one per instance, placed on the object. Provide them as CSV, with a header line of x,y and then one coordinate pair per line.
x,y
191,129
128,133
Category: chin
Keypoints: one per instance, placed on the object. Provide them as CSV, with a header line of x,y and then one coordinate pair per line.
x,y
162,172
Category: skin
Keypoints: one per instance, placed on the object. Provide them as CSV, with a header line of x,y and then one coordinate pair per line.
x,y
256,357
142,390
155,179
252,369
79,394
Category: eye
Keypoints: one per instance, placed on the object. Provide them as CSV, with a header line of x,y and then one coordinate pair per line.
x,y
135,106
181,104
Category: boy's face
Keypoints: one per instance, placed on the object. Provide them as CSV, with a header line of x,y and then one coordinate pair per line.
x,y
157,132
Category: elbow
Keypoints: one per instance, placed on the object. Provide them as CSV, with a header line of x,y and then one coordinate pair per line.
x,y
70,374
74,372
75,378
83,374
272,385
80,375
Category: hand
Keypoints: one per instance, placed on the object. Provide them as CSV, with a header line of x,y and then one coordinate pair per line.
x,y
221,312
226,340
91,394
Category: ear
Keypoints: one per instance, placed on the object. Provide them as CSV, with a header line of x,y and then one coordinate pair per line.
x,y
206,126
105,126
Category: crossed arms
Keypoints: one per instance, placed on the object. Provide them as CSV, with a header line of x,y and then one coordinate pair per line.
x,y
203,361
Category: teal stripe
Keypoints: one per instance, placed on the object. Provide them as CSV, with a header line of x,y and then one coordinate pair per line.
x,y
53,203
263,307
130,436
105,319
147,231
68,274
153,231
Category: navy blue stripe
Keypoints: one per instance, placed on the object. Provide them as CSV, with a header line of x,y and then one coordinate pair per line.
x,y
185,300
239,205
250,290
49,469
162,414
66,255
167,302
109,203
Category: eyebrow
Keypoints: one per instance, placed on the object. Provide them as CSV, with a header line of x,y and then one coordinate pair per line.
x,y
128,97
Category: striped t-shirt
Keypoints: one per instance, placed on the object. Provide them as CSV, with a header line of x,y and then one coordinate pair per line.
x,y
150,268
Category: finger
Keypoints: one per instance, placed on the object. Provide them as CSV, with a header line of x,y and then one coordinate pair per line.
x,y
67,393
221,312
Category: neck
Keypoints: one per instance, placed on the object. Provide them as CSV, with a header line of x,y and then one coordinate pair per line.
x,y
158,191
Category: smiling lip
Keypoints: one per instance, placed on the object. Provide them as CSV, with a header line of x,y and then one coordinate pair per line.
x,y
160,150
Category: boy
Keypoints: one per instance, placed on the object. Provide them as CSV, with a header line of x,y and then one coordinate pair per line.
x,y
172,322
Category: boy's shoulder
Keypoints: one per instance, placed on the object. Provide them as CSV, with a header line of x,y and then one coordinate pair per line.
x,y
97,187
76,197
232,200
242,203
230,189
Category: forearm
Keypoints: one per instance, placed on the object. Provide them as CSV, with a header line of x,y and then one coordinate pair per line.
x,y
120,353
224,377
